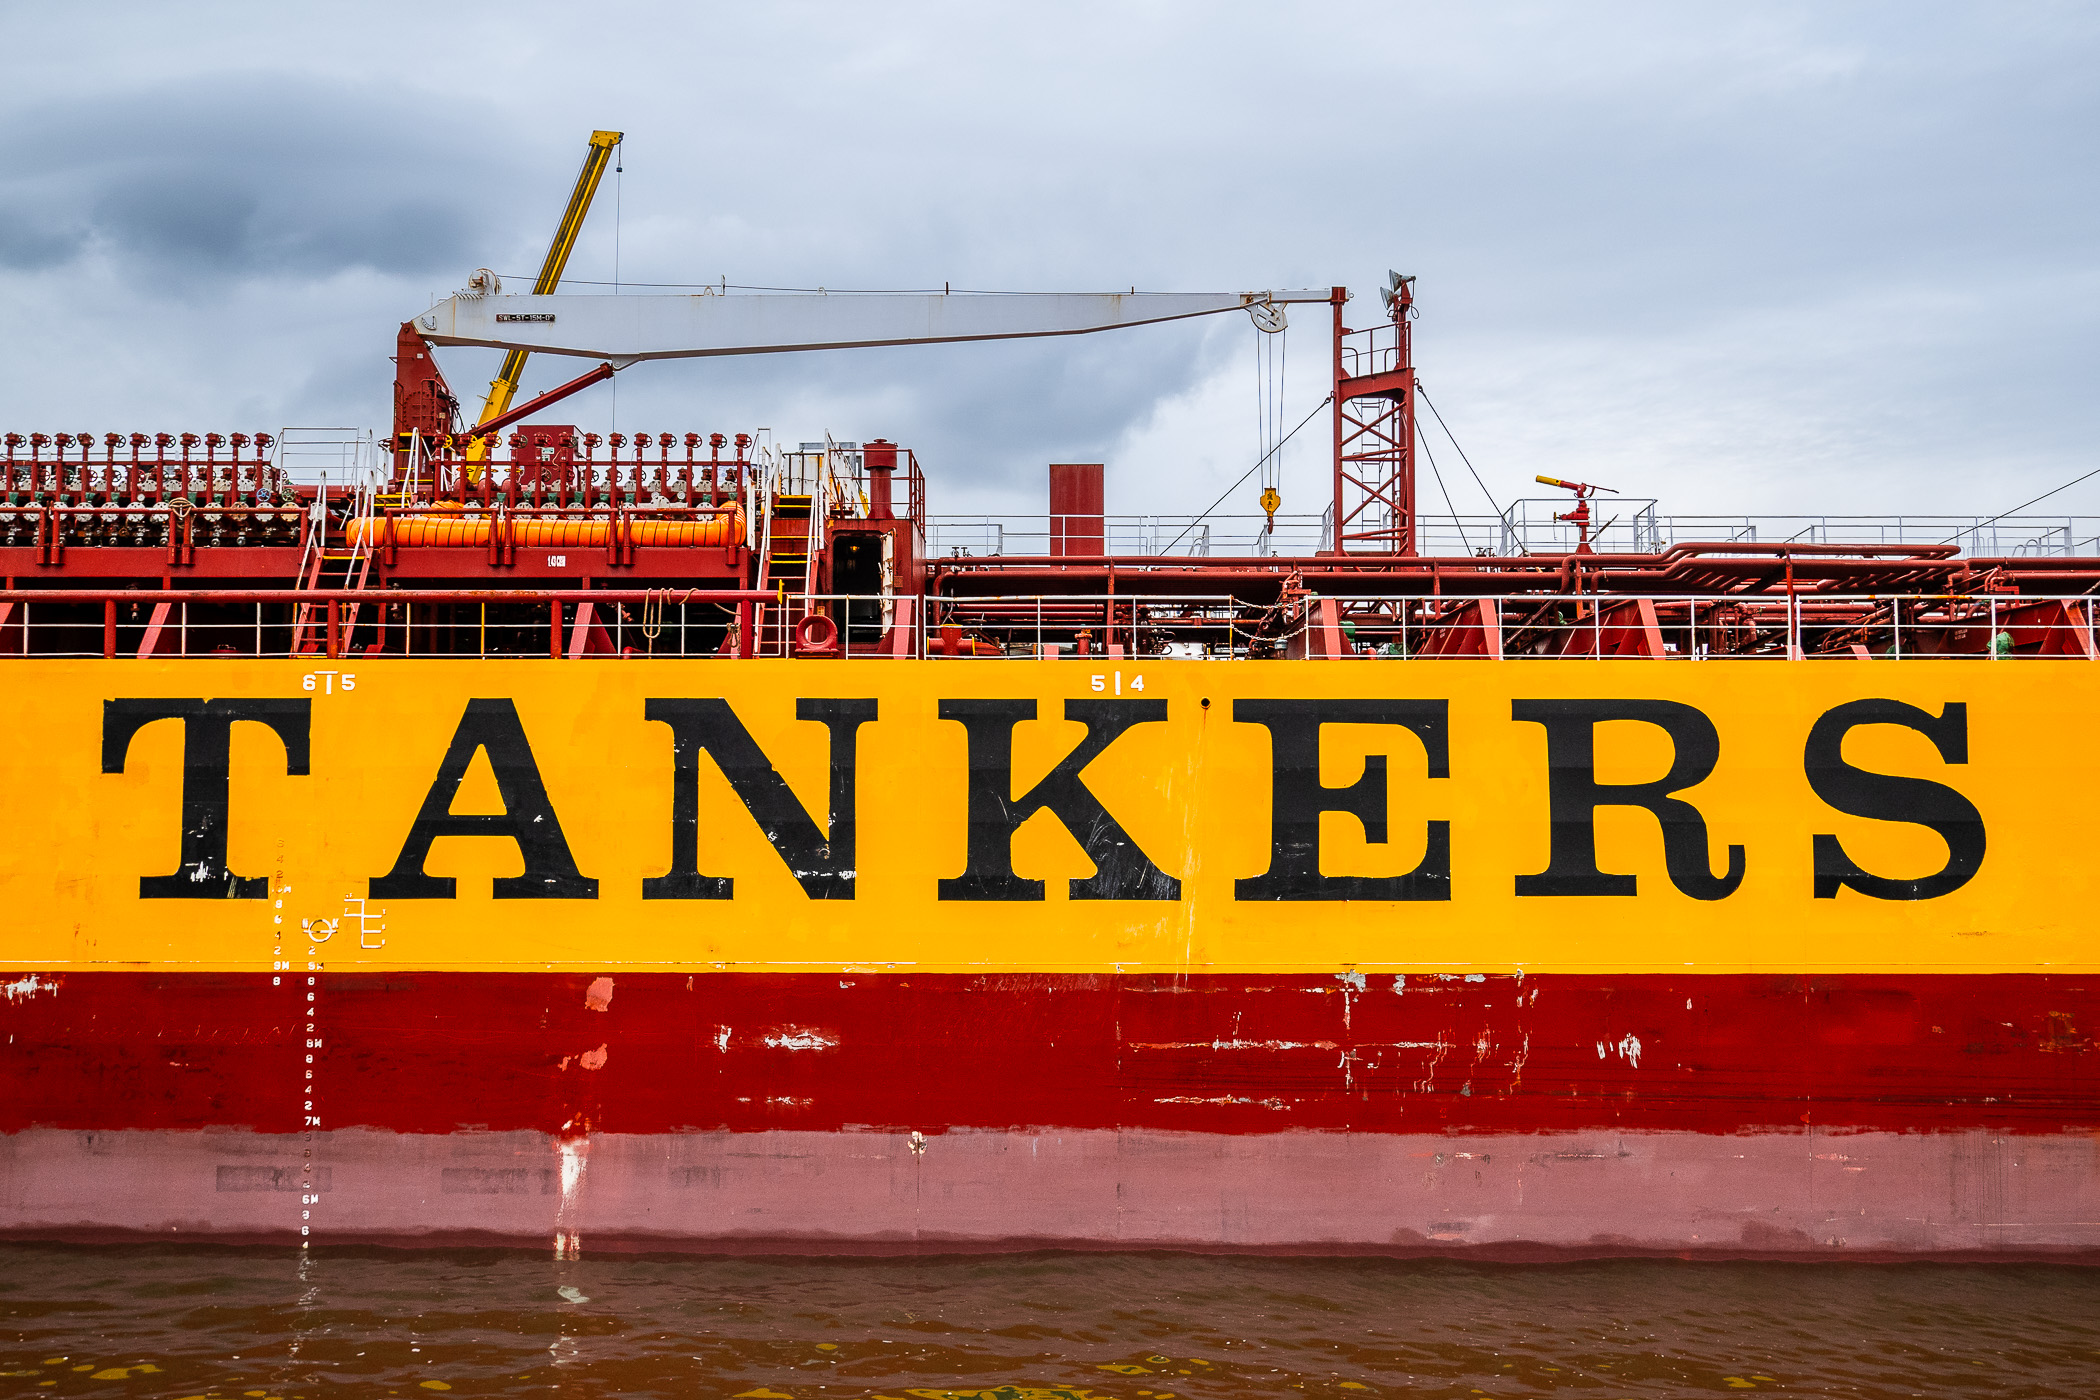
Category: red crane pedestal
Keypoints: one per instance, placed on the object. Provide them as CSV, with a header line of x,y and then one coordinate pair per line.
x,y
424,403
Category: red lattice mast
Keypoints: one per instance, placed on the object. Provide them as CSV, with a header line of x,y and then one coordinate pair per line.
x,y
1374,430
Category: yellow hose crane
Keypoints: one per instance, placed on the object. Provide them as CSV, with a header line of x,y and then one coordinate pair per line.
x,y
505,385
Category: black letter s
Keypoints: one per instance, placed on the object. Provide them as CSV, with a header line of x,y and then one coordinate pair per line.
x,y
1883,797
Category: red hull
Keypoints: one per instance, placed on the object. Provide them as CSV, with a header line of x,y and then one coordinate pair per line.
x,y
433,1052
1596,1114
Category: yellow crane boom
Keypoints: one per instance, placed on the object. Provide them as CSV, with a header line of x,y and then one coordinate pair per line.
x,y
505,385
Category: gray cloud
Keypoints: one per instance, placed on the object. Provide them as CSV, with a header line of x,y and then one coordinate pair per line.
x,y
194,183
1801,255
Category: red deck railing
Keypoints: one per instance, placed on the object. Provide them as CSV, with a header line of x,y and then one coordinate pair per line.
x,y
575,624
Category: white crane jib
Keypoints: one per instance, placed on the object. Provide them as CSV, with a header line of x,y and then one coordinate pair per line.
x,y
622,330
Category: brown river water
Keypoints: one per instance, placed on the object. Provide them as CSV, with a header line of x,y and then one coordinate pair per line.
x,y
254,1324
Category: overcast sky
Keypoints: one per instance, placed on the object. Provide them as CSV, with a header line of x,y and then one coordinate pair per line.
x,y
1807,258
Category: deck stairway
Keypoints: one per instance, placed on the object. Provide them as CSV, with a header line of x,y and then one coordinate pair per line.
x,y
334,569
784,567
787,545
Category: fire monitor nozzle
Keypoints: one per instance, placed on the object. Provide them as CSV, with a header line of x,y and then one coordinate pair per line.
x,y
1580,488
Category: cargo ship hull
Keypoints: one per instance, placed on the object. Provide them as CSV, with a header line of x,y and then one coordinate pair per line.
x,y
849,956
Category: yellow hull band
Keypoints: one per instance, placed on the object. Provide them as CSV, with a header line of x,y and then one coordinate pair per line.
x,y
1193,791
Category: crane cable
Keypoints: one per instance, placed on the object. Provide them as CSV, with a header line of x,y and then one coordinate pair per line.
x,y
1271,361
1972,529
1433,471
1461,451
1244,475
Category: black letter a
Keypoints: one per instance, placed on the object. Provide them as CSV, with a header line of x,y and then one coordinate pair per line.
x,y
527,817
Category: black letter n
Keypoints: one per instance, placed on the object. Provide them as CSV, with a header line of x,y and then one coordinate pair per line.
x,y
527,817
823,862
207,742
